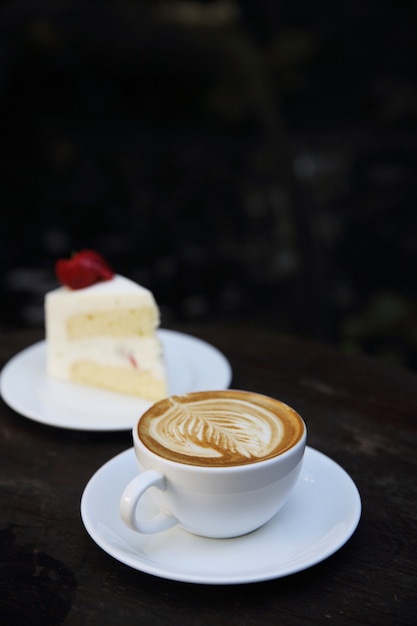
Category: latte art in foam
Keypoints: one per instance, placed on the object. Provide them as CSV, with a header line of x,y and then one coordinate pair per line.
x,y
220,428
213,429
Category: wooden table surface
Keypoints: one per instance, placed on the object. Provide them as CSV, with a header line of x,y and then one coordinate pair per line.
x,y
361,413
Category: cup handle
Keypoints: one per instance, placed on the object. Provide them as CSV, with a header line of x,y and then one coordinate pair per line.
x,y
130,499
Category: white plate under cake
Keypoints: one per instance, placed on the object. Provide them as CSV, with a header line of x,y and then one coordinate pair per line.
x,y
191,364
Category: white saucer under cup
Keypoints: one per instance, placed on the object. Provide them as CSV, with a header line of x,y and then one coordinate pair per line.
x,y
320,516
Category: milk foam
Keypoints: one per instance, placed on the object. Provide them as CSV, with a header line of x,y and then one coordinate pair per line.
x,y
223,428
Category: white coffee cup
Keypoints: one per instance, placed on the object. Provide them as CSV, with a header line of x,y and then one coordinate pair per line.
x,y
235,458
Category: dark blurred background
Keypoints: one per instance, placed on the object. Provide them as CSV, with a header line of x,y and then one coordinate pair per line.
x,y
249,162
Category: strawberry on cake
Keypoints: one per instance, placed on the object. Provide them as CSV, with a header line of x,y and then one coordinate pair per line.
x,y
101,329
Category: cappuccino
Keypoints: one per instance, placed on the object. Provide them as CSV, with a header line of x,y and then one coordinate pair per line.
x,y
220,428
216,463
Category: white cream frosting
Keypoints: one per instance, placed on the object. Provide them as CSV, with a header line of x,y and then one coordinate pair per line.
x,y
141,353
115,293
118,293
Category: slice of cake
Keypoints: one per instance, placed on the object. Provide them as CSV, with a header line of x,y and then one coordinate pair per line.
x,y
104,334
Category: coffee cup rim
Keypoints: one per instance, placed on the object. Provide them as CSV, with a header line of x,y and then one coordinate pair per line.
x,y
262,463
